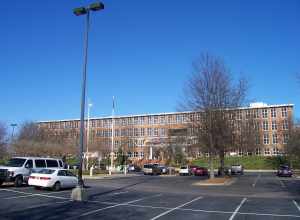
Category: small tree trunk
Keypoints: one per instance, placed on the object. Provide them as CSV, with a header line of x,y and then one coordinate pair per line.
x,y
211,167
222,162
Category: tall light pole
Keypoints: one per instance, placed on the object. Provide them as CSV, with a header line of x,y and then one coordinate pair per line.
x,y
88,136
77,194
112,155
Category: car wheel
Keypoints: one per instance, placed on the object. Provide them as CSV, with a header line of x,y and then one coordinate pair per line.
x,y
18,181
1,182
37,187
57,186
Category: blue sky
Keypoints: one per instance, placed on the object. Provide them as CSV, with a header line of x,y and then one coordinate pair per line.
x,y
141,52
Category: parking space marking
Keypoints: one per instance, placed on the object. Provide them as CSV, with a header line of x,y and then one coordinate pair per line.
x,y
34,194
296,204
116,205
237,209
256,179
31,195
281,183
200,210
268,214
178,207
118,193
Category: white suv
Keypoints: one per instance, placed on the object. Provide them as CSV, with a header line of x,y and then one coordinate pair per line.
x,y
18,169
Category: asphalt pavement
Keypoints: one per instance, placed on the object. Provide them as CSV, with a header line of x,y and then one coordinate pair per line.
x,y
252,196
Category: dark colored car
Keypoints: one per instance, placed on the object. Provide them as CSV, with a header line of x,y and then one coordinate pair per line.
x,y
193,169
284,170
201,171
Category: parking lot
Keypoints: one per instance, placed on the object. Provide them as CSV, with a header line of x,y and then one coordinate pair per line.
x,y
251,196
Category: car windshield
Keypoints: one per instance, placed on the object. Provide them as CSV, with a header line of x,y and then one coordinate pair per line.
x,y
183,168
46,171
16,162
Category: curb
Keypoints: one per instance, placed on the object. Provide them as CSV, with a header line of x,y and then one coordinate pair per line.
x,y
226,183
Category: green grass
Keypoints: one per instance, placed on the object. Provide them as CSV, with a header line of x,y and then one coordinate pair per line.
x,y
250,162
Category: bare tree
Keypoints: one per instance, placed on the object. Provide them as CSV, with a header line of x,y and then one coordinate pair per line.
x,y
212,92
3,144
33,140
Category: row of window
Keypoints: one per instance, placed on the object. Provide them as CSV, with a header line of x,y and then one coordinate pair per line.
x,y
133,132
266,138
265,125
167,119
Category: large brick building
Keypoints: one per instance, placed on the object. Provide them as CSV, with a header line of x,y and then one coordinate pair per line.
x,y
139,134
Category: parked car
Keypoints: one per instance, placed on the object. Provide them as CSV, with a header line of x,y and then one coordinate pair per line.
x,y
184,171
201,171
18,169
227,170
53,178
193,169
237,169
164,169
133,168
284,170
151,169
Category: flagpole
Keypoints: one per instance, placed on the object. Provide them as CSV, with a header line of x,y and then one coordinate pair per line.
x,y
112,138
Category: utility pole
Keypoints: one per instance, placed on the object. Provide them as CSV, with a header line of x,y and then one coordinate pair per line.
x,y
112,138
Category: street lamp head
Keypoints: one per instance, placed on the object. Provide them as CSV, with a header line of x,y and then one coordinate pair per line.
x,y
13,125
96,6
80,11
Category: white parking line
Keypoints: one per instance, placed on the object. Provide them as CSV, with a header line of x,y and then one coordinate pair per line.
x,y
256,179
296,204
268,214
281,183
116,205
178,207
118,193
237,209
33,194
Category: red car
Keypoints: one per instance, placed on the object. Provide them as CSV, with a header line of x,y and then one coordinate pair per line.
x,y
201,171
193,169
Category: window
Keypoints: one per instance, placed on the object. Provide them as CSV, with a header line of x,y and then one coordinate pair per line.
x,y
61,173
285,138
274,138
29,164
285,125
256,125
142,132
256,113
248,114
257,151
267,151
136,132
129,154
135,154
52,163
274,125
239,115
265,125
162,119
265,113
69,173
276,151
284,112
155,131
266,138
142,154
40,163
273,112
